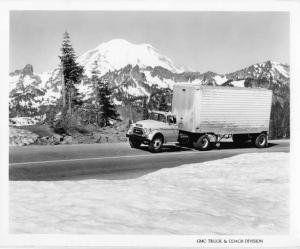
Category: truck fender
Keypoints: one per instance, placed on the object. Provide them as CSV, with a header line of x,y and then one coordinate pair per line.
x,y
155,133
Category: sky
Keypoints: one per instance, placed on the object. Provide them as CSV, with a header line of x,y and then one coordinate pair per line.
x,y
200,41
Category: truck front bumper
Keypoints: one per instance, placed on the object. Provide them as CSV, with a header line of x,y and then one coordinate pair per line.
x,y
141,139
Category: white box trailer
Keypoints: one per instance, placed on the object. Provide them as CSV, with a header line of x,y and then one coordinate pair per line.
x,y
203,115
242,113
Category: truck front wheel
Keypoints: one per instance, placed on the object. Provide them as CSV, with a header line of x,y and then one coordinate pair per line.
x,y
156,144
134,143
202,143
261,141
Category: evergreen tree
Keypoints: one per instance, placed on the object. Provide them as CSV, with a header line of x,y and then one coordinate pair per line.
x,y
95,103
72,73
108,109
100,105
145,108
163,104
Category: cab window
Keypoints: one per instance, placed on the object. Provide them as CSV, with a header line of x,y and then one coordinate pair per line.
x,y
171,119
157,117
161,118
153,116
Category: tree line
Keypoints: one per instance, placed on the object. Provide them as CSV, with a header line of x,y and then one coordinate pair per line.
x,y
99,108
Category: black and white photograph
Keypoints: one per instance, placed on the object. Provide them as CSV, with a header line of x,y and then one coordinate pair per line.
x,y
149,122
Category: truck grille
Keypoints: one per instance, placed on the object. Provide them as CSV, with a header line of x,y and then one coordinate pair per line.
x,y
138,131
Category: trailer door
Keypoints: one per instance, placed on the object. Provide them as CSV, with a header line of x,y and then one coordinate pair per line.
x,y
183,106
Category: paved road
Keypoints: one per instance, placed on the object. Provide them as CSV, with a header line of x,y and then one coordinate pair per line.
x,y
111,161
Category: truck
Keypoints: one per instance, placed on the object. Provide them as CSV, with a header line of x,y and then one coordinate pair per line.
x,y
203,116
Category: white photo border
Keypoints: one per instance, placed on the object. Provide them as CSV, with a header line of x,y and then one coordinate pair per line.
x,y
39,240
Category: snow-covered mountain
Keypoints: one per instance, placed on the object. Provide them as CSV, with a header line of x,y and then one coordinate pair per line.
x,y
135,81
30,91
269,70
133,71
110,56
118,53
26,91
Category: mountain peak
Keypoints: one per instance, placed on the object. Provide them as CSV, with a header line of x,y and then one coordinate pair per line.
x,y
28,70
117,53
115,42
119,42
271,63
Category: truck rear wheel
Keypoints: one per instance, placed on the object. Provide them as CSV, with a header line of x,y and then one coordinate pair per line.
x,y
156,144
261,141
202,143
134,143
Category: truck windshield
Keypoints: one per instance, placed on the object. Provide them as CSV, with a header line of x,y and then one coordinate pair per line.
x,y
157,117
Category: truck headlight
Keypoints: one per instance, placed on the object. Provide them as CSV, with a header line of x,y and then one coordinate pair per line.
x,y
147,131
130,130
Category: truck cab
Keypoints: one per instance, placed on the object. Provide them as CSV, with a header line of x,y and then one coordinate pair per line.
x,y
159,129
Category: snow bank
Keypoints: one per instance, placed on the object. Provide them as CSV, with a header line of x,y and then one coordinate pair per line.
x,y
13,81
220,79
161,83
20,137
238,83
21,121
244,194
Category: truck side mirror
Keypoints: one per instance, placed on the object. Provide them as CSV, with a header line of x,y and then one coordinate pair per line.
x,y
171,120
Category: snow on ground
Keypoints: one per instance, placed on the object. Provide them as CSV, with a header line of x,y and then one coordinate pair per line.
x,y
85,89
13,81
238,83
20,137
220,79
45,76
134,91
244,194
27,80
117,102
21,121
161,83
281,69
52,95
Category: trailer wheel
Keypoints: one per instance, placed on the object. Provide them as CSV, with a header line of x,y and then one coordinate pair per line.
x,y
261,141
156,144
202,143
134,143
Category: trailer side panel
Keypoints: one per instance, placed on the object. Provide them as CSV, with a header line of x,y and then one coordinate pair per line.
x,y
227,110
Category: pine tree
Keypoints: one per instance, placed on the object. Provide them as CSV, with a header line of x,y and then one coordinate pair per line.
x,y
145,108
95,103
72,73
108,109
163,105
100,104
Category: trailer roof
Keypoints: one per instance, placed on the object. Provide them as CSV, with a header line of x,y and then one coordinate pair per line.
x,y
161,112
220,87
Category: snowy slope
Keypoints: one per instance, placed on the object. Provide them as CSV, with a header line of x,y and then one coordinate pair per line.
x,y
244,194
118,53
13,81
271,70
20,137
29,90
